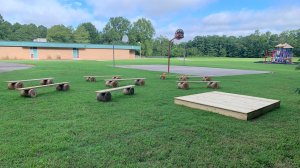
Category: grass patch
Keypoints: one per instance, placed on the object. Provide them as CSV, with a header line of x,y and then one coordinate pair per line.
x,y
72,129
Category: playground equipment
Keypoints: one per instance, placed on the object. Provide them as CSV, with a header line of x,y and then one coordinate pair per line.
x,y
31,91
93,78
210,84
234,105
19,83
283,54
179,34
186,77
114,82
105,95
164,76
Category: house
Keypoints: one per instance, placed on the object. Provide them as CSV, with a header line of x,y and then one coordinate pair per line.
x,y
66,51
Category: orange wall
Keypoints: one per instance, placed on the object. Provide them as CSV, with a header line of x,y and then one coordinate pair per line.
x,y
65,53
14,53
105,54
55,53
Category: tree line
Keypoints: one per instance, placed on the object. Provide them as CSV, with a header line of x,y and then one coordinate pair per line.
x,y
141,32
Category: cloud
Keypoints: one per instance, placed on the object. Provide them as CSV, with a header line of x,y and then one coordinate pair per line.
x,y
166,16
244,22
46,13
147,8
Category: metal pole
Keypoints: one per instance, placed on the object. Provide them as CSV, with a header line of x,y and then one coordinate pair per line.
x,y
169,56
114,64
140,49
184,54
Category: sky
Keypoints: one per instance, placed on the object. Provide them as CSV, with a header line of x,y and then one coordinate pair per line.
x,y
195,17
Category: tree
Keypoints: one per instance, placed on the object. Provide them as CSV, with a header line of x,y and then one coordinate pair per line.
x,y
25,33
92,31
115,29
59,33
160,46
141,31
81,35
148,48
1,19
42,31
5,29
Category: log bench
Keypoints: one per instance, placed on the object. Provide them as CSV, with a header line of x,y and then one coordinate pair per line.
x,y
210,84
186,77
105,95
19,83
114,82
31,91
93,78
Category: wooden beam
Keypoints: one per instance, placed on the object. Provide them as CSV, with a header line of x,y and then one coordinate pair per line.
x,y
40,86
114,89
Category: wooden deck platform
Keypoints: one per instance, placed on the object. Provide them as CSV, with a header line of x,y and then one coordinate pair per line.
x,y
228,104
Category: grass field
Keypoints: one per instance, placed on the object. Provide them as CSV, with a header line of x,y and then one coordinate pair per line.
x,y
72,129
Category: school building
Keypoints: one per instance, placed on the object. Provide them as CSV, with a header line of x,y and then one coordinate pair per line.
x,y
65,51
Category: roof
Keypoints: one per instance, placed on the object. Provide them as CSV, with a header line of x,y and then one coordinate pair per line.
x,y
64,45
279,45
286,45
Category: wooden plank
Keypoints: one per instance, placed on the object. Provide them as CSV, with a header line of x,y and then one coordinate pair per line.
x,y
234,105
102,76
28,80
241,102
114,89
197,81
225,112
190,76
40,86
229,101
122,79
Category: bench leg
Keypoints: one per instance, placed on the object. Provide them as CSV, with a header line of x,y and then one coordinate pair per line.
x,y
139,82
162,77
59,87
29,93
183,78
43,82
32,93
111,83
63,87
24,93
213,85
128,91
66,87
183,85
19,85
104,97
49,81
11,86
206,78
92,79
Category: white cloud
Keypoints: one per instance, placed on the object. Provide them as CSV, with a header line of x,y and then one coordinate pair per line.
x,y
166,16
46,13
246,21
147,8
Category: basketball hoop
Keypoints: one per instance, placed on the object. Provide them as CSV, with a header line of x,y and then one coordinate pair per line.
x,y
179,34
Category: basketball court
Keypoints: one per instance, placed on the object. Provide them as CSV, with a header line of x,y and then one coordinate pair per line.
x,y
190,70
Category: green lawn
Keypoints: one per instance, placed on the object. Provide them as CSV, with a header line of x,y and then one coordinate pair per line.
x,y
72,129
